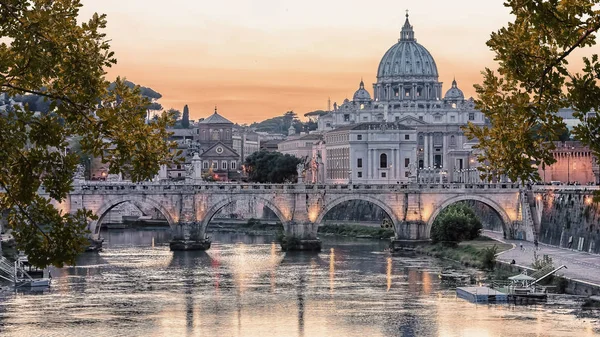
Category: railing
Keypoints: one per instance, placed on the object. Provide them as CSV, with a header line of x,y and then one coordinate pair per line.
x,y
205,186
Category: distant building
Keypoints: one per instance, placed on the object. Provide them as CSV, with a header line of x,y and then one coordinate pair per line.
x,y
407,96
245,142
214,140
270,145
575,163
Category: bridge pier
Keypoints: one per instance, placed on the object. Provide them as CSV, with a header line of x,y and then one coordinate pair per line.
x,y
188,236
409,234
301,236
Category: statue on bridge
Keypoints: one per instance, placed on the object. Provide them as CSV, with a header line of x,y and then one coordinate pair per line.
x,y
79,174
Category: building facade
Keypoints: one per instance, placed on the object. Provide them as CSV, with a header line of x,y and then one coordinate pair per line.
x,y
575,164
408,93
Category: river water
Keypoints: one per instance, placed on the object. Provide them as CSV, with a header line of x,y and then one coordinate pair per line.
x,y
246,286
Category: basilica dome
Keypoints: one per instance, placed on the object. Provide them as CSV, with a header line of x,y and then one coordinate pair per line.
x,y
454,93
407,58
361,95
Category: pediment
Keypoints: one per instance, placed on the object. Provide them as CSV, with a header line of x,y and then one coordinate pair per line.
x,y
409,120
219,150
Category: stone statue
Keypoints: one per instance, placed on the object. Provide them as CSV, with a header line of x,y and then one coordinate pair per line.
x,y
189,171
79,173
300,170
412,168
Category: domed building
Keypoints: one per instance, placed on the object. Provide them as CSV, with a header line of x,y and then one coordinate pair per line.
x,y
407,94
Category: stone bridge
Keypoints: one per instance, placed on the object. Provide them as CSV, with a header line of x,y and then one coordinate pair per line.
x,y
189,208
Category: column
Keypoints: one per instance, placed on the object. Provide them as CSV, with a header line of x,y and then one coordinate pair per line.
x,y
371,163
395,167
414,91
425,149
431,149
401,92
426,91
444,152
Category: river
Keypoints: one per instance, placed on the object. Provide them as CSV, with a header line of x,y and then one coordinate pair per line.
x,y
246,286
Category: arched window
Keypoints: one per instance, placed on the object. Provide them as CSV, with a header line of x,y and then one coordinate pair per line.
x,y
452,140
383,160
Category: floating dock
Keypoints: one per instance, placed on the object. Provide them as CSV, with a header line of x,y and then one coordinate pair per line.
x,y
481,295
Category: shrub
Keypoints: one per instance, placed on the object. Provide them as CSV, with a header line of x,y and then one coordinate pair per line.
x,y
488,257
456,223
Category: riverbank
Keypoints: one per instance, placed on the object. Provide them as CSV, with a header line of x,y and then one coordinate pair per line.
x,y
474,253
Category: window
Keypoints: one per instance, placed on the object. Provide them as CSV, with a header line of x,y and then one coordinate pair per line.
x,y
397,118
359,137
215,135
453,105
362,106
359,174
406,137
205,164
437,118
346,117
453,118
420,118
359,162
214,165
452,140
383,160
471,116
328,125
179,167
437,161
365,118
233,165
407,174
383,175
179,174
224,165
406,162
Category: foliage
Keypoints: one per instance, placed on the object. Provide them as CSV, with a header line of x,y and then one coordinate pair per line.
x,y
44,51
185,119
357,230
281,124
271,167
532,83
456,223
541,263
488,257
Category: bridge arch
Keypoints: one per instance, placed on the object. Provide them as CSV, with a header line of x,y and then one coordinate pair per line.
x,y
214,209
331,204
112,202
499,210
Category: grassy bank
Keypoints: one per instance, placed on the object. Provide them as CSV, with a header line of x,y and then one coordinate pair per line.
x,y
357,231
469,253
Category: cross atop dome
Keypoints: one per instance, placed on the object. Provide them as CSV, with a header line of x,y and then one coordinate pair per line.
x,y
362,84
407,33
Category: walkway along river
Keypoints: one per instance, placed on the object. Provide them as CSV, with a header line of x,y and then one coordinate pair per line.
x,y
246,286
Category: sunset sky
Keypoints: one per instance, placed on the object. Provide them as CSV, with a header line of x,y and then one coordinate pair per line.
x,y
256,59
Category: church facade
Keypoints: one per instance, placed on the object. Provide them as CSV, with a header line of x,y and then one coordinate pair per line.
x,y
416,124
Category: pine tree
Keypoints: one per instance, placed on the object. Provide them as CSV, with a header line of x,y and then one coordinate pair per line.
x,y
185,120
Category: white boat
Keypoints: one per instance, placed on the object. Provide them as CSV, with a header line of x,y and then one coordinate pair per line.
x,y
39,282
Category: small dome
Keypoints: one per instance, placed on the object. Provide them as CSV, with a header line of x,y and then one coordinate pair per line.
x,y
454,93
361,95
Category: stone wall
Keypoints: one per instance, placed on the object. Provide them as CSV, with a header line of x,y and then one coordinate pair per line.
x,y
570,216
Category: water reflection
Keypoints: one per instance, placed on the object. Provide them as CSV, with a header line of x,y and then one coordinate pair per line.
x,y
243,288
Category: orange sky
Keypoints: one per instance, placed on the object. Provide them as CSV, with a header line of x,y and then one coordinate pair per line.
x,y
256,59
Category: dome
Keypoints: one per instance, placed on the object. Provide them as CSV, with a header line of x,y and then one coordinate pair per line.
x,y
454,93
407,57
361,95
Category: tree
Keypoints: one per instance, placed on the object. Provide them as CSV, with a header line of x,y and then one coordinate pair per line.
x,y
47,53
456,223
532,83
185,120
271,167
